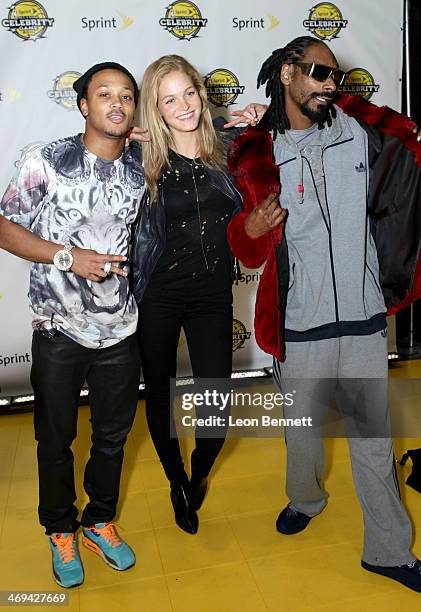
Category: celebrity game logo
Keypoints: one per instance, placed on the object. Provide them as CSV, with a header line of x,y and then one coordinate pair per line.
x,y
27,20
325,21
62,92
223,87
183,19
359,82
239,334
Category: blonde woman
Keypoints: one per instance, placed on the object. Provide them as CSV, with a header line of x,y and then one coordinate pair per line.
x,y
182,265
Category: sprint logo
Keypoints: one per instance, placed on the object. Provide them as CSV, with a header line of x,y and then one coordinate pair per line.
x,y
261,23
119,23
8,94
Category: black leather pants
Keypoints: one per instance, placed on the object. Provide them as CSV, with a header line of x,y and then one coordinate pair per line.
x,y
60,367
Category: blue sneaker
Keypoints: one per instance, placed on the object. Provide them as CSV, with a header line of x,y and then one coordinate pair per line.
x,y
103,539
409,575
291,521
67,567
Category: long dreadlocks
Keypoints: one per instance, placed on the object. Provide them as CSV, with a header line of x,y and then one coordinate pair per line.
x,y
275,117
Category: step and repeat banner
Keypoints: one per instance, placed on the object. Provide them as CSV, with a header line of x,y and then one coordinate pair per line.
x,y
45,46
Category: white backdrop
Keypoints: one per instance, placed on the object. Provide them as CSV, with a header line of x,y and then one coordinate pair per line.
x,y
44,46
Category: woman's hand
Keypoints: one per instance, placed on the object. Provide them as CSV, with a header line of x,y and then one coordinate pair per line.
x,y
251,115
138,134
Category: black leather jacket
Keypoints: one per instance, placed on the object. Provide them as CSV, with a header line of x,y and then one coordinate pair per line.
x,y
150,232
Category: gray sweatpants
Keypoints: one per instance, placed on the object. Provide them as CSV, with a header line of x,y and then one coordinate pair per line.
x,y
318,372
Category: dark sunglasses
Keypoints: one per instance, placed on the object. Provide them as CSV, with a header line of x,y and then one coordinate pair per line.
x,y
322,73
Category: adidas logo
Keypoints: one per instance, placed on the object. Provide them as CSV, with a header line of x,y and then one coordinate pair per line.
x,y
361,168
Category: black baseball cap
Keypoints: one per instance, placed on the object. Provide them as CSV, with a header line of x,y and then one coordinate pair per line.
x,y
81,84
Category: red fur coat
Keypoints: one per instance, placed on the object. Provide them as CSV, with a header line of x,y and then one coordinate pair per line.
x,y
252,163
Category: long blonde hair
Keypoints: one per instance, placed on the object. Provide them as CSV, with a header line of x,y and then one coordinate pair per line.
x,y
155,152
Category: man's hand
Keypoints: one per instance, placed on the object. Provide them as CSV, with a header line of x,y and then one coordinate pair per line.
x,y
86,263
90,264
138,134
250,115
265,217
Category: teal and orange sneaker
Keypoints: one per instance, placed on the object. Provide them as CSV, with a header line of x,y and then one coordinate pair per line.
x,y
67,566
103,539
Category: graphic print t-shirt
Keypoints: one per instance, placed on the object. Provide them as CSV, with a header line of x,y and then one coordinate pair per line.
x,y
64,193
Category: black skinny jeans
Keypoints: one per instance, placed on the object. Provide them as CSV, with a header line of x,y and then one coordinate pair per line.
x,y
207,324
60,367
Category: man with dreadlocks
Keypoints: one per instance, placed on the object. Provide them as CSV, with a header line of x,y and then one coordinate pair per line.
x,y
347,252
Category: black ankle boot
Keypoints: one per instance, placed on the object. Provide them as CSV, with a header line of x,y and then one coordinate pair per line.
x,y
198,484
184,511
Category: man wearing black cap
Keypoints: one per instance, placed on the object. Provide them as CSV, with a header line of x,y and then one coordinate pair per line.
x,y
69,210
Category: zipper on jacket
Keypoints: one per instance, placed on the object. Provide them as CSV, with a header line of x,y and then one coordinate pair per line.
x,y
335,291
332,265
373,277
236,270
293,276
365,234
141,276
329,231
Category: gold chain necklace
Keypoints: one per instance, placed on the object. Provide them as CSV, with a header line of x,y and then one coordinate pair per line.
x,y
196,166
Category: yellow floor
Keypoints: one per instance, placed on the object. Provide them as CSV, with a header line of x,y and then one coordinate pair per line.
x,y
237,561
